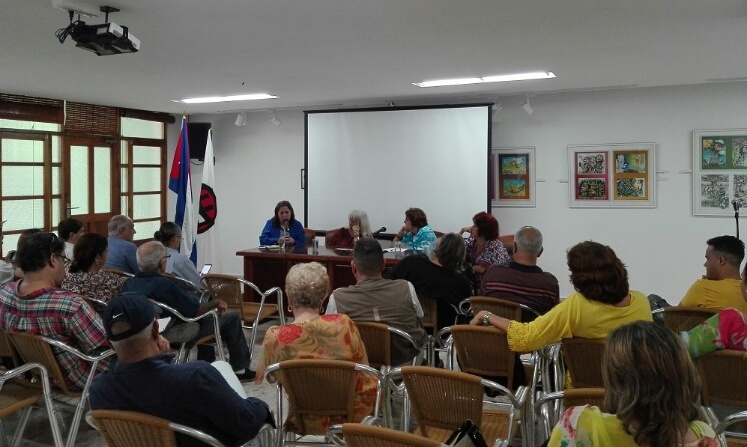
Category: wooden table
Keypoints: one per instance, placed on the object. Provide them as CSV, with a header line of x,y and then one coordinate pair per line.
x,y
267,268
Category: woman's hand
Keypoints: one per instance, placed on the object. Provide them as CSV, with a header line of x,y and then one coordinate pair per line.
x,y
477,319
465,230
478,269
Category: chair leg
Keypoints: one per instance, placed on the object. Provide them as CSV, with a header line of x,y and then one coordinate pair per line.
x,y
21,427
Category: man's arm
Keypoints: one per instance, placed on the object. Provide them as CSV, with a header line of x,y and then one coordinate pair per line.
x,y
331,306
131,259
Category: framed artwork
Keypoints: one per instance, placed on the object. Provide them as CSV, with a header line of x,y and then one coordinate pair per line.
x,y
612,175
513,176
719,171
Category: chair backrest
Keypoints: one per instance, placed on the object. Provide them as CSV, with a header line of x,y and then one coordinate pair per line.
x,y
720,374
129,428
225,287
681,319
97,304
508,241
33,349
363,435
430,313
496,306
318,388
310,236
7,350
470,343
442,399
575,397
118,273
583,358
378,342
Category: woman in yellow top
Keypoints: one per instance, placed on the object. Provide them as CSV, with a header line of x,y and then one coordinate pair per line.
x,y
602,302
652,391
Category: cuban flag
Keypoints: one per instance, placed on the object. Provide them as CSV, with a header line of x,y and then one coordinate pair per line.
x,y
180,181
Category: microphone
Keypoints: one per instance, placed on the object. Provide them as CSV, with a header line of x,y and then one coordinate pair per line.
x,y
380,230
735,205
285,225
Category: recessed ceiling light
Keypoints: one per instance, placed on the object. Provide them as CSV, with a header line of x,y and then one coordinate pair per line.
x,y
502,78
209,99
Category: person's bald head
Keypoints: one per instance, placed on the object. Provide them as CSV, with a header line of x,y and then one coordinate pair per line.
x,y
151,257
528,241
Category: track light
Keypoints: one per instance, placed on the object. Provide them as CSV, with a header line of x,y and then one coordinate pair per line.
x,y
275,120
527,108
241,119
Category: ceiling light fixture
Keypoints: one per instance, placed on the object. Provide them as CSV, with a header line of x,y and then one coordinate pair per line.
x,y
241,119
527,108
275,120
209,99
502,78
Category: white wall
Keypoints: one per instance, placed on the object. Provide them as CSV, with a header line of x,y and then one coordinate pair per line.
x,y
259,164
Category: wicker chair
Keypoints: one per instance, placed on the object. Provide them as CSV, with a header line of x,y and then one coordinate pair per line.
x,y
713,369
129,428
18,395
570,398
231,290
97,304
583,359
7,351
317,388
732,439
377,338
441,400
119,273
183,354
203,293
681,319
364,435
37,349
469,342
430,313
503,308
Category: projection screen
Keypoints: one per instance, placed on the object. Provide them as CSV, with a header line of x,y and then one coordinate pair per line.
x,y
387,160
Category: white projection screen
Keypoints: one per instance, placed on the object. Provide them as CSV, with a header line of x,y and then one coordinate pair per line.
x,y
387,160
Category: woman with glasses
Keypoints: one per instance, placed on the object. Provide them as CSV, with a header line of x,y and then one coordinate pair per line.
x,y
170,235
85,276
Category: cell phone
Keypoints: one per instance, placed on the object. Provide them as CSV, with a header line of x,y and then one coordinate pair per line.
x,y
205,269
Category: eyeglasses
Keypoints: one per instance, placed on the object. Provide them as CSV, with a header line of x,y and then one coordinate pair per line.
x,y
65,260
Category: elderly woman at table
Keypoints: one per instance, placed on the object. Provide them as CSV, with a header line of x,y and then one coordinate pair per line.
x,y
345,237
602,302
311,336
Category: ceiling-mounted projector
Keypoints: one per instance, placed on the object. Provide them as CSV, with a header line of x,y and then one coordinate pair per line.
x,y
104,39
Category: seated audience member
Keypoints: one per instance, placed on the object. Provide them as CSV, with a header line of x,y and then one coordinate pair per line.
x,y
522,281
170,235
415,232
484,250
36,304
283,225
17,271
720,287
439,277
85,276
652,396
358,227
70,230
311,336
121,248
601,303
380,300
151,257
725,330
194,394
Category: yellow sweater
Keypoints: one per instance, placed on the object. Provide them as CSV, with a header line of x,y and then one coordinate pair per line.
x,y
713,294
576,316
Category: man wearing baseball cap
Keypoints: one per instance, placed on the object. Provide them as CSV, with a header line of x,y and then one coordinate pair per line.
x,y
194,394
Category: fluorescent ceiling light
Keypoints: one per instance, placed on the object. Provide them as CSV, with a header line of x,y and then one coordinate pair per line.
x,y
503,78
228,98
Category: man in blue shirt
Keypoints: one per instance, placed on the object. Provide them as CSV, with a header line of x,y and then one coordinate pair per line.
x,y
194,394
121,248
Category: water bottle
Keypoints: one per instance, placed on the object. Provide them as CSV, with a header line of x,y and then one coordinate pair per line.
x,y
315,248
282,240
398,249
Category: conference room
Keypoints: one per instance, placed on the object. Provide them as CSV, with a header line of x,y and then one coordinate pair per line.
x,y
349,128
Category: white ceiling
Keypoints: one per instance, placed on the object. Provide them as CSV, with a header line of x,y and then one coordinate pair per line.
x,y
351,53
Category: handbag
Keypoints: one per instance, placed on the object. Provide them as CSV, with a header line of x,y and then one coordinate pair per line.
x,y
466,436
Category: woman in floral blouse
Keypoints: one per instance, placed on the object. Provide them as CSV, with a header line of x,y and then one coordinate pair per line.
x,y
85,276
311,336
652,394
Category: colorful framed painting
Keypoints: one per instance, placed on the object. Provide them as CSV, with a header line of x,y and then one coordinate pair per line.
x,y
719,171
513,176
612,175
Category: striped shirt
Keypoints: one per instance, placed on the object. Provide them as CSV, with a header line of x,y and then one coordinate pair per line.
x,y
524,284
58,314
